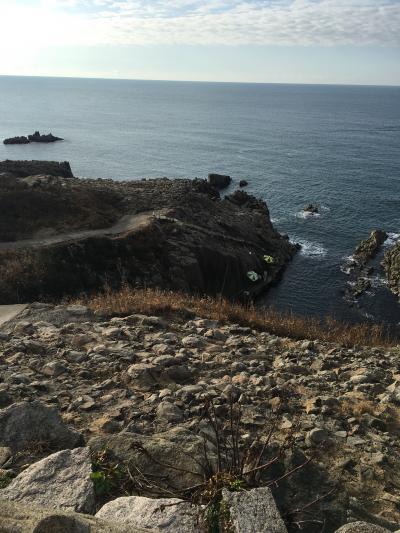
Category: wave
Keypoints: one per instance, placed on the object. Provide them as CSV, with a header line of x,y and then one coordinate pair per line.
x,y
392,239
306,214
310,249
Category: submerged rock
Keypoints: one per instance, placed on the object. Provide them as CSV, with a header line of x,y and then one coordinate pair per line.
x,y
243,183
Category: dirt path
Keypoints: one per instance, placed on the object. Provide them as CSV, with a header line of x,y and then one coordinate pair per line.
x,y
8,312
125,224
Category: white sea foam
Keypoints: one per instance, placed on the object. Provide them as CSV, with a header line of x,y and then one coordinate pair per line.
x,y
392,239
348,264
377,281
306,214
310,249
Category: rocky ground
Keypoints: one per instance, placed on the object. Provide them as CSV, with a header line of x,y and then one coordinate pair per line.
x,y
201,243
135,391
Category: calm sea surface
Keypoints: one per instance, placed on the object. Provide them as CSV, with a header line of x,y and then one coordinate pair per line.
x,y
335,146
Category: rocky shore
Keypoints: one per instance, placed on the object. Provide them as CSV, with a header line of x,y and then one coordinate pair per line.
x,y
119,405
176,234
391,264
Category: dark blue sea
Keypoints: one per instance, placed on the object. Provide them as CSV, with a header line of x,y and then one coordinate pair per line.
x,y
337,146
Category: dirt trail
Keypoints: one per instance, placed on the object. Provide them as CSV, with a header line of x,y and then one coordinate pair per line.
x,y
125,224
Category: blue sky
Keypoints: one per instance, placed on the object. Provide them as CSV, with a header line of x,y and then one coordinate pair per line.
x,y
288,41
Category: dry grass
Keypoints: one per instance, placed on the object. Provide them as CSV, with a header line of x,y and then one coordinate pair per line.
x,y
130,300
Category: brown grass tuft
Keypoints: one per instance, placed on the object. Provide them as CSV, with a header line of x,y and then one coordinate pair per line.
x,y
130,300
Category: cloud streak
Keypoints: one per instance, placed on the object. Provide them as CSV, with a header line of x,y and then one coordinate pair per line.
x,y
222,22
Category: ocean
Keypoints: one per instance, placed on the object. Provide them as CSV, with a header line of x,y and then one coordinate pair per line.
x,y
337,146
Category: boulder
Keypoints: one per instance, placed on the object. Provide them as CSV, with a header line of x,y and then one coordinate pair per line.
x,y
169,515
20,518
219,181
175,457
16,140
243,183
61,481
38,138
25,425
253,511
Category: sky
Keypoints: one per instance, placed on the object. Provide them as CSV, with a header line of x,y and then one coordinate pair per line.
x,y
267,41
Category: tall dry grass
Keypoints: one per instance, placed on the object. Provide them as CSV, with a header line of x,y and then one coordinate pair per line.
x,y
130,300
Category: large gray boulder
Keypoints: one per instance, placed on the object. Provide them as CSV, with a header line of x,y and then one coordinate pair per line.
x,y
61,481
361,527
174,457
169,515
26,425
20,518
253,511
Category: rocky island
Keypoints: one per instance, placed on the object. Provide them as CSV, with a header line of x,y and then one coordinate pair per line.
x,y
61,235
36,137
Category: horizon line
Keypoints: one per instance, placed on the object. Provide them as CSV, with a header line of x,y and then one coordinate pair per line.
x,y
337,84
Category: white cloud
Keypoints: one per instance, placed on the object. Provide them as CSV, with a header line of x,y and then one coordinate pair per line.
x,y
209,22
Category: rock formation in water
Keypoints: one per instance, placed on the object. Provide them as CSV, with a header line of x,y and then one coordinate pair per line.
x,y
219,181
36,137
311,208
16,140
368,248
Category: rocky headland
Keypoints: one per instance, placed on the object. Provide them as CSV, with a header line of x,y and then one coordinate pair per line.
x,y
62,235
124,417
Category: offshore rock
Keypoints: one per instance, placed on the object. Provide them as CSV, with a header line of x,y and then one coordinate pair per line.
x,y
219,181
368,248
16,140
38,138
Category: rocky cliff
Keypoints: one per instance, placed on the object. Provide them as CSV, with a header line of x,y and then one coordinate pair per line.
x,y
391,264
79,235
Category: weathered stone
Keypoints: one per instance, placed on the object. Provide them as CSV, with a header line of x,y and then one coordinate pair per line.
x,y
23,425
165,514
20,518
253,511
361,527
61,481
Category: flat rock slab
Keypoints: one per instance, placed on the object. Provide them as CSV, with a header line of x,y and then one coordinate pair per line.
x,y
253,511
8,312
61,481
26,425
19,518
169,515
361,527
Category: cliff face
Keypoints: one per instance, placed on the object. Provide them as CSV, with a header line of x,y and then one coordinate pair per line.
x,y
391,265
174,234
